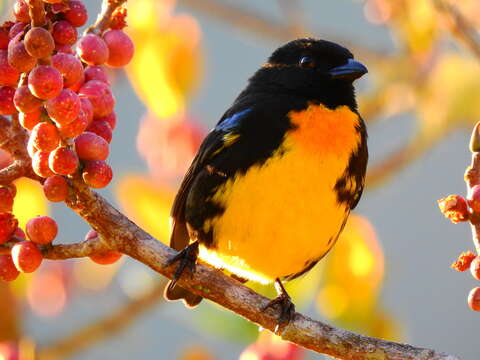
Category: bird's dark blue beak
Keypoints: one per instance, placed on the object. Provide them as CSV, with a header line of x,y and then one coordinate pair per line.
x,y
350,71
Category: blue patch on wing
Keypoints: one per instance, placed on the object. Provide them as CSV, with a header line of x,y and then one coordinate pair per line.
x,y
232,121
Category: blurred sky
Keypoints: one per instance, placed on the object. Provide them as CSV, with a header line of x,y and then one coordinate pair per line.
x,y
419,244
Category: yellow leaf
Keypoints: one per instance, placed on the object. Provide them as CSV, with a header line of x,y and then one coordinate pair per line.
x,y
353,272
29,201
167,62
147,203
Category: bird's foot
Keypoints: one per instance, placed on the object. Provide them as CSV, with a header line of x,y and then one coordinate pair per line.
x,y
187,259
287,307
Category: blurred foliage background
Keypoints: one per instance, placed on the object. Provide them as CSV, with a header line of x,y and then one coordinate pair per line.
x,y
388,276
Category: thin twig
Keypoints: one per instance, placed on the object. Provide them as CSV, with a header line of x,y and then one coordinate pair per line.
x,y
105,15
105,327
262,26
460,27
37,12
472,178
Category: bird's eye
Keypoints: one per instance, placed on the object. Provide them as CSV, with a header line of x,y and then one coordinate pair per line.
x,y
306,62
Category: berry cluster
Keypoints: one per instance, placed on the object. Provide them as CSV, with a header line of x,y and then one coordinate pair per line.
x,y
63,98
458,209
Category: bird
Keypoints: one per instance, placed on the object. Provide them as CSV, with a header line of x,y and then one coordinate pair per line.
x,y
273,183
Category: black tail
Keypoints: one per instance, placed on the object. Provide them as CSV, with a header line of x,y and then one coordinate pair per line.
x,y
178,241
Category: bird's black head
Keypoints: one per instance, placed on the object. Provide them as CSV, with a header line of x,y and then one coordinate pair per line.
x,y
315,69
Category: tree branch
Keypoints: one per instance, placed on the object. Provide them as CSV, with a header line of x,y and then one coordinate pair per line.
x,y
460,27
121,233
104,328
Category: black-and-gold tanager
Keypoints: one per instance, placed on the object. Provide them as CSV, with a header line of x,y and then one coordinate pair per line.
x,y
272,185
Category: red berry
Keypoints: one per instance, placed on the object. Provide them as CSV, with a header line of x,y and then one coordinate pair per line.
x,y
106,258
19,233
77,15
8,224
39,43
26,256
45,82
90,146
91,234
65,107
67,49
40,164
70,67
45,136
32,150
55,188
101,128
96,73
474,299
475,268
41,229
87,108
8,74
25,101
16,29
92,49
63,161
6,200
29,120
111,120
6,100
20,10
76,127
8,271
474,198
64,33
18,57
97,173
4,38
100,96
120,48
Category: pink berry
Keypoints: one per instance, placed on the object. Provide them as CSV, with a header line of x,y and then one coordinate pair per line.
x,y
70,67
55,188
92,49
8,74
65,107
106,258
25,101
6,200
63,161
26,256
40,164
16,29
18,57
4,38
45,82
29,120
8,271
41,229
96,73
120,48
90,146
6,100
100,96
67,49
97,173
77,15
39,43
45,137
111,120
87,108
20,10
101,128
64,33
76,127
